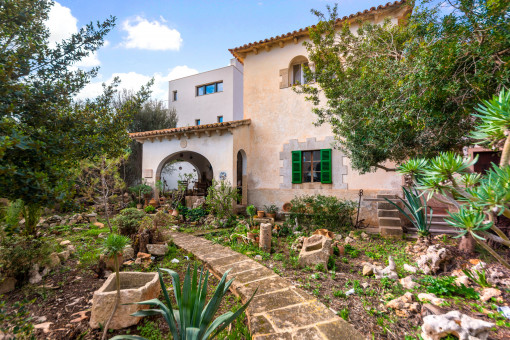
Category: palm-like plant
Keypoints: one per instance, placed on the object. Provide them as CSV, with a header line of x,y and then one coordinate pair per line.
x,y
419,214
193,320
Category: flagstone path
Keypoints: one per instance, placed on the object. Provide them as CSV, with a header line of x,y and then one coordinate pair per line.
x,y
279,310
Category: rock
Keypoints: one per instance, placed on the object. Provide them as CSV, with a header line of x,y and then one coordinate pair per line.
x,y
45,326
408,283
338,237
368,270
389,271
81,316
298,243
403,305
316,250
102,235
142,287
129,263
265,237
349,240
352,234
488,293
258,257
143,256
157,249
71,249
65,243
64,255
462,280
324,232
7,285
479,266
436,327
54,260
365,236
91,217
128,253
98,224
410,268
436,256
34,276
430,297
430,309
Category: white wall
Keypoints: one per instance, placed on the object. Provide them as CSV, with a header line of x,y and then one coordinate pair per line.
x,y
207,108
179,169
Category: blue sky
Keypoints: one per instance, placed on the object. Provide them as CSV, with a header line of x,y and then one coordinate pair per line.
x,y
170,39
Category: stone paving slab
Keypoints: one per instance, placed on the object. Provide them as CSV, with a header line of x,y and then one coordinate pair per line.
x,y
279,310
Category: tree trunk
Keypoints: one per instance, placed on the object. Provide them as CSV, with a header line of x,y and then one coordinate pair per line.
x,y
467,244
117,296
104,187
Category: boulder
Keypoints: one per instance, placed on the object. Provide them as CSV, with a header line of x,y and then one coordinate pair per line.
x,y
65,243
7,285
71,249
389,271
436,327
435,257
349,240
368,270
135,287
316,249
128,253
64,255
98,224
298,243
54,260
365,236
324,232
404,305
157,249
432,298
408,283
34,276
92,218
410,268
488,293
462,280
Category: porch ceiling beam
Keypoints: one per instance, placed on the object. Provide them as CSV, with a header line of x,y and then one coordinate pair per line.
x,y
185,134
169,137
197,134
151,139
219,132
207,133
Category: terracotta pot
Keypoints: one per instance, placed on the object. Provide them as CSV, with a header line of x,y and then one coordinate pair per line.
x,y
139,206
251,236
153,202
271,215
287,206
260,214
175,212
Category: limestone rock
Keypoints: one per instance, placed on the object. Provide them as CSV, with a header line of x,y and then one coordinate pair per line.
x,y
410,268
128,253
71,249
316,249
365,236
64,255
408,283
488,293
45,326
436,256
54,260
349,240
462,280
430,297
65,243
142,286
389,271
298,243
368,270
157,249
7,285
34,276
403,305
338,237
98,224
436,327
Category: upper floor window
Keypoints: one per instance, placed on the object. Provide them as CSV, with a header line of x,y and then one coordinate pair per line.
x,y
295,73
209,88
174,96
220,119
298,73
197,121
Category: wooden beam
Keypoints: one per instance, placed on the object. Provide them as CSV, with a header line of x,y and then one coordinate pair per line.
x,y
186,135
207,133
218,132
295,40
281,44
231,131
255,51
197,134
169,137
151,139
160,138
267,47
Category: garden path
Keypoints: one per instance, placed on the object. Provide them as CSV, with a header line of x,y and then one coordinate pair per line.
x,y
279,310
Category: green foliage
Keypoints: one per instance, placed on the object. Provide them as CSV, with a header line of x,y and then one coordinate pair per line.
x,y
322,211
18,254
419,215
193,215
344,313
398,91
477,276
220,199
331,262
114,244
445,286
16,319
128,221
272,209
351,251
251,210
13,215
194,318
150,331
149,209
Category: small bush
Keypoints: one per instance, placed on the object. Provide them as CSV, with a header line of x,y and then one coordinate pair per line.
x,y
149,209
128,221
321,211
220,199
445,286
19,254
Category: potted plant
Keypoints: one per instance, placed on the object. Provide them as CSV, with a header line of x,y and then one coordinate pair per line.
x,y
271,210
260,213
150,209
253,235
146,192
251,211
137,191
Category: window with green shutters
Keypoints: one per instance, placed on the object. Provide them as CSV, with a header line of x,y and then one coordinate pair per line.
x,y
311,166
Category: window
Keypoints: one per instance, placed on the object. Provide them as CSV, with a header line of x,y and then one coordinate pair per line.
x,y
220,119
210,88
197,121
312,166
298,73
295,73
174,96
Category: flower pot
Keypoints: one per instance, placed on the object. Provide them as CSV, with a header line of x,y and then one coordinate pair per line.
x,y
175,212
153,202
260,214
271,215
251,236
139,206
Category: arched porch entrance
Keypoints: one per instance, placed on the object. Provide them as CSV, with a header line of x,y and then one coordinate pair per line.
x,y
241,176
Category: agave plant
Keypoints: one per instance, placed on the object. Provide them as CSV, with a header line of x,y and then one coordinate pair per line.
x,y
193,320
419,214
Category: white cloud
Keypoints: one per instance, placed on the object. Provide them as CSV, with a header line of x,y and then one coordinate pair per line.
x,y
150,35
133,81
61,25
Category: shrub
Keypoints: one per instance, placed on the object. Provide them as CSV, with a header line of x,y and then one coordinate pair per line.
x,y
322,211
220,199
445,286
19,254
15,320
149,209
128,221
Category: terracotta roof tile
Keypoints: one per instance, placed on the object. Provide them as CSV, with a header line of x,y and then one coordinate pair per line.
x,y
164,132
304,31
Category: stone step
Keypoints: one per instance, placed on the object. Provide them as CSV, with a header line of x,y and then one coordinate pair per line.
x,y
388,213
385,206
390,196
389,222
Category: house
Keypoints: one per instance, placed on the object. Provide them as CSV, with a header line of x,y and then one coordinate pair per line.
x,y
274,152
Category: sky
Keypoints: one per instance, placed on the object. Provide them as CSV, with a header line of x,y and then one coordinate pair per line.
x,y
169,39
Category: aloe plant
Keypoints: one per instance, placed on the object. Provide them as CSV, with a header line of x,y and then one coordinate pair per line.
x,y
193,320
418,213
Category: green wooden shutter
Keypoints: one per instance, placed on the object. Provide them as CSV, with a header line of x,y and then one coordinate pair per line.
x,y
326,166
296,167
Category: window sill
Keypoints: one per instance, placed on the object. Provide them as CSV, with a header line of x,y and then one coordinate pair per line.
x,y
312,186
